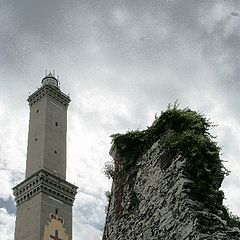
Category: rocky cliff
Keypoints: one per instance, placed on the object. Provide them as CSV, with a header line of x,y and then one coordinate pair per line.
x,y
166,183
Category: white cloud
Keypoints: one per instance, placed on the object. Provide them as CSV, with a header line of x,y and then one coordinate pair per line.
x,y
86,231
7,223
5,183
119,16
212,14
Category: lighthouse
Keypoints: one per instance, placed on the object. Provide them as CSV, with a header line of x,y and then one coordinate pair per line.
x,y
45,199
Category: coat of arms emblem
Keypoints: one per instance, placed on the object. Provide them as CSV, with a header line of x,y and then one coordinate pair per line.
x,y
54,230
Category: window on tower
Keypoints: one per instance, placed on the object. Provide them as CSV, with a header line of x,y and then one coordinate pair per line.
x,y
56,124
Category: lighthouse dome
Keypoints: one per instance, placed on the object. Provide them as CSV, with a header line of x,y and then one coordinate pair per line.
x,y
50,80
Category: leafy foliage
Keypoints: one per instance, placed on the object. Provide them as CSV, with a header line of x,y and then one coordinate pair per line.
x,y
189,137
134,143
232,220
108,169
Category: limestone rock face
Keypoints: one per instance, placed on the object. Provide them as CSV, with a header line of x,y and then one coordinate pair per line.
x,y
152,201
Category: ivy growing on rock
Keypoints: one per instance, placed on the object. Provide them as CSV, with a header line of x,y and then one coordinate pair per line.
x,y
182,122
189,137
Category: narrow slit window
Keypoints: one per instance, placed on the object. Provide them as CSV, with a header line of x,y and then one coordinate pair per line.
x,y
56,124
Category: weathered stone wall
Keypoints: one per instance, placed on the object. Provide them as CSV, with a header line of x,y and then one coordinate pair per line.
x,y
153,201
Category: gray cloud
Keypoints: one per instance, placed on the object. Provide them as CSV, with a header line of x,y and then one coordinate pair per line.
x,y
235,14
122,61
9,205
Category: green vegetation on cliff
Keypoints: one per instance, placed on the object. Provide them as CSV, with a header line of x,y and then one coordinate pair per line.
x,y
185,133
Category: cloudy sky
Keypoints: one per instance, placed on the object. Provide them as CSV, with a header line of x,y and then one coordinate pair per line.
x,y
122,62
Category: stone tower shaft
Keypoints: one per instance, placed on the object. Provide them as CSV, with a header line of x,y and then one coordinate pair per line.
x,y
47,131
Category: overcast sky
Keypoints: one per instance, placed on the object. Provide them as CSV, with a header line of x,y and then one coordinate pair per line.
x,y
121,62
